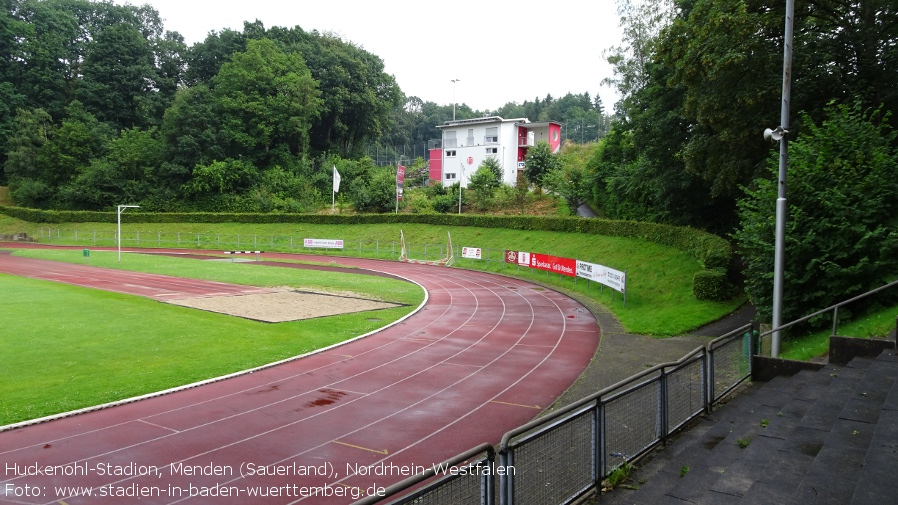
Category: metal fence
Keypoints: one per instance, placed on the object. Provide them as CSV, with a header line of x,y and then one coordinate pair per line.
x,y
562,456
491,259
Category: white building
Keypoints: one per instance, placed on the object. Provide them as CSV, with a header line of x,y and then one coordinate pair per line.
x,y
466,143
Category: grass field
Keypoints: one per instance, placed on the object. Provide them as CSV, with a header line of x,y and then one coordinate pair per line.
x,y
67,347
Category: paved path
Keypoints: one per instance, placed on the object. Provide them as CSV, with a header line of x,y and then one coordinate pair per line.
x,y
484,355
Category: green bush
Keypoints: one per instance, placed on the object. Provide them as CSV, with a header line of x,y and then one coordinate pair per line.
x,y
711,285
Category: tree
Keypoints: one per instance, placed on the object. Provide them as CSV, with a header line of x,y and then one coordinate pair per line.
x,y
379,195
540,161
842,231
358,96
641,22
268,100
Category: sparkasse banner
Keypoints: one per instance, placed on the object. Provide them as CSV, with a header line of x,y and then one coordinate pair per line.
x,y
563,266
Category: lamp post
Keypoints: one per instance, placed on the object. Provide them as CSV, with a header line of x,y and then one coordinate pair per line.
x,y
459,187
453,97
119,233
781,134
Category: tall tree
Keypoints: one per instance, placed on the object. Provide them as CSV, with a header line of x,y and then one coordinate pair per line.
x,y
268,100
118,72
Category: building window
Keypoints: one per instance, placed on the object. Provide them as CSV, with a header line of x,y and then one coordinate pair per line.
x,y
451,141
450,154
492,136
492,150
450,177
470,137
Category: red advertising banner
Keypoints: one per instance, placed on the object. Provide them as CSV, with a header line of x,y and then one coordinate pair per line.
x,y
563,266
518,257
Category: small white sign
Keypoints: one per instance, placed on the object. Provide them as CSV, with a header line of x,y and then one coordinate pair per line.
x,y
323,243
473,253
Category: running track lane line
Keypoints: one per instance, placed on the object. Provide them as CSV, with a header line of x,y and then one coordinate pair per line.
x,y
432,401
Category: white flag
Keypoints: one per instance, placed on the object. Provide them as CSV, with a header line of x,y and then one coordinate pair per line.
x,y
336,180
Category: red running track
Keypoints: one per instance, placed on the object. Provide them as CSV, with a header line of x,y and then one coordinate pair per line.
x,y
485,354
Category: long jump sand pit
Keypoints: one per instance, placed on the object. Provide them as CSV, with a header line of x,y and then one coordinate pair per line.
x,y
283,305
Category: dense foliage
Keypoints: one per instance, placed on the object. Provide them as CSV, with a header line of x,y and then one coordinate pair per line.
x,y
842,226
100,105
701,79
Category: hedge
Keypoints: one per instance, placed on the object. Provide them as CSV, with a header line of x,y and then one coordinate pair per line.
x,y
711,251
711,285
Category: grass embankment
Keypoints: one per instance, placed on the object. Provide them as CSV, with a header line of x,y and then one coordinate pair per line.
x,y
659,298
67,347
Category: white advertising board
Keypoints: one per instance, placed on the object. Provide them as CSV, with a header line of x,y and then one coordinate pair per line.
x,y
615,279
323,243
473,253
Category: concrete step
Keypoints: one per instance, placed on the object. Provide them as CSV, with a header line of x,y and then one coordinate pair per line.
x,y
827,436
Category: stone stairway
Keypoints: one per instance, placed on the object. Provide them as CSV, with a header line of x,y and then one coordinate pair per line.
x,y
818,437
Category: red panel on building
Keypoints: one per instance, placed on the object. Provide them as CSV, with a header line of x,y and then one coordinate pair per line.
x,y
436,165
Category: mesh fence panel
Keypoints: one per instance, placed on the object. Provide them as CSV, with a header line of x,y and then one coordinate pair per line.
x,y
732,363
556,465
632,423
685,393
467,489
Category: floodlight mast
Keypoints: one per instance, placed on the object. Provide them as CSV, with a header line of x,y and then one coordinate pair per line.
x,y
781,206
119,232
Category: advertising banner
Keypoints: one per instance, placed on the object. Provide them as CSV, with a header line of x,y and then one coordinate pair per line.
x,y
323,243
473,253
615,279
563,266
518,257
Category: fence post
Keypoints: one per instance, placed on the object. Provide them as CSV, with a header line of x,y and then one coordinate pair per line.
x,y
179,239
138,237
664,397
95,237
601,440
197,239
506,479
709,364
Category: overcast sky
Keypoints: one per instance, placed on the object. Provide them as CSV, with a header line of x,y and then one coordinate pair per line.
x,y
498,51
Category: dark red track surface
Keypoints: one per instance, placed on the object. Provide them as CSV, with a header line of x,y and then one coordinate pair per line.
x,y
485,354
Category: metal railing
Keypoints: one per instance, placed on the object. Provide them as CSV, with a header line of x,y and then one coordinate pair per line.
x,y
832,308
566,454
